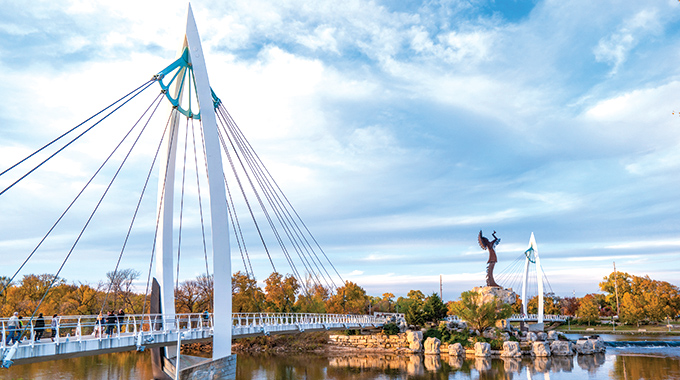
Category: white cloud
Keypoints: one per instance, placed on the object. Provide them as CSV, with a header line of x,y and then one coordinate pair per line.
x,y
614,48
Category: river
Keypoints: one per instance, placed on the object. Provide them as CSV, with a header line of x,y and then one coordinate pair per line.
x,y
657,359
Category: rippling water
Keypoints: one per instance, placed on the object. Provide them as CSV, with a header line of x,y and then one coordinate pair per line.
x,y
652,361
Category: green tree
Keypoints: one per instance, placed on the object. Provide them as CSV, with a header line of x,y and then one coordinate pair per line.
x,y
434,308
480,315
415,314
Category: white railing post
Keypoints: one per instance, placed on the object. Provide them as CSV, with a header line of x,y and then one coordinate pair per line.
x,y
57,331
79,331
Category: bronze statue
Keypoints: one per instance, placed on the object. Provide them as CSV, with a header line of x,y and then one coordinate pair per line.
x,y
489,246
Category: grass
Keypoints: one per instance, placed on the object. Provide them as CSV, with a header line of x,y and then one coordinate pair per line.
x,y
621,329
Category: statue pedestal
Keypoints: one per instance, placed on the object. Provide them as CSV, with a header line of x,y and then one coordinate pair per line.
x,y
487,294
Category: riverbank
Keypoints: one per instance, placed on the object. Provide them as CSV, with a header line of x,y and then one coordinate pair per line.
x,y
620,330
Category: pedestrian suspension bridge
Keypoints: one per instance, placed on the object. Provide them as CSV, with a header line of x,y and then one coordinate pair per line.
x,y
526,273
190,142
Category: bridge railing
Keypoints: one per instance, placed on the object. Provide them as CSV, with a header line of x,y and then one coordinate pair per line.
x,y
269,319
79,326
531,317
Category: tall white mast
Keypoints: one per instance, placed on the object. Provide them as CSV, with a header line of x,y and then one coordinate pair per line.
x,y
218,198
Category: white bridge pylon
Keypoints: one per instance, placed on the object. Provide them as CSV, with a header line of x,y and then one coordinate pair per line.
x,y
532,257
221,256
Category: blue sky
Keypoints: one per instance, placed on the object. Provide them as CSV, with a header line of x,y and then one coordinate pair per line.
x,y
397,129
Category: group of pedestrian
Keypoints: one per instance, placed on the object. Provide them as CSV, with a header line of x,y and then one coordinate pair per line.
x,y
14,328
107,325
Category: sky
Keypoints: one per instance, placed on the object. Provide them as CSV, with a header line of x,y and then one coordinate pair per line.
x,y
398,130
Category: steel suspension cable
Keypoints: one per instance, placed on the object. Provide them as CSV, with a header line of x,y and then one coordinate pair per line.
x,y
227,115
134,216
238,181
181,206
285,218
71,204
233,216
87,223
74,128
262,206
280,212
200,202
160,204
73,140
234,127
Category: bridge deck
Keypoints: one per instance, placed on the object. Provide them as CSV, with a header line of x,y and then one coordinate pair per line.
x,y
244,326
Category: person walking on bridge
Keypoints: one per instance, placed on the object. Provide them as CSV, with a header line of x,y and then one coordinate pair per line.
x,y
12,328
121,320
39,327
110,323
54,325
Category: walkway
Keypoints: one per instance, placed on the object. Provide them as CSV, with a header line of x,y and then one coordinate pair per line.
x,y
76,337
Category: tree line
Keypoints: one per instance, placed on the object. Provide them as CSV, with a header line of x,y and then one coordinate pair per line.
x,y
640,299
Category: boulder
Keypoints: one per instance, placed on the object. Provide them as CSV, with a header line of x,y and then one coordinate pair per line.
x,y
511,350
415,339
592,345
531,337
598,344
540,349
488,293
482,349
456,349
432,346
553,335
541,336
561,348
489,334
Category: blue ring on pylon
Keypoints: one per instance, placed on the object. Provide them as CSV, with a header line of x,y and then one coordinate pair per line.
x,y
529,253
182,68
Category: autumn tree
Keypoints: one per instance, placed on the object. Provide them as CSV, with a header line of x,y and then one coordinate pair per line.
x,y
589,309
246,296
569,306
348,299
314,301
645,299
280,293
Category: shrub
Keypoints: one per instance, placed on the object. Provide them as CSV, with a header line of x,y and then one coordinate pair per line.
x,y
390,329
432,333
496,344
460,337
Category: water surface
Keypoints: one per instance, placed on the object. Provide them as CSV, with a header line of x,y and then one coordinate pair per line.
x,y
651,362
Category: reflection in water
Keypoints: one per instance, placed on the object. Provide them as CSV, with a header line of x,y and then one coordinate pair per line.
x,y
361,366
645,367
123,366
590,363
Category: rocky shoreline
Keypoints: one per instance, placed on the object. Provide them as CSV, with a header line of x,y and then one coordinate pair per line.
x,y
412,342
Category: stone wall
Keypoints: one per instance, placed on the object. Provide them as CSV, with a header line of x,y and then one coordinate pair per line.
x,y
377,342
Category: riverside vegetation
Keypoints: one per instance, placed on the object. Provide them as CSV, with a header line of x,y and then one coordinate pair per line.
x,y
642,300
